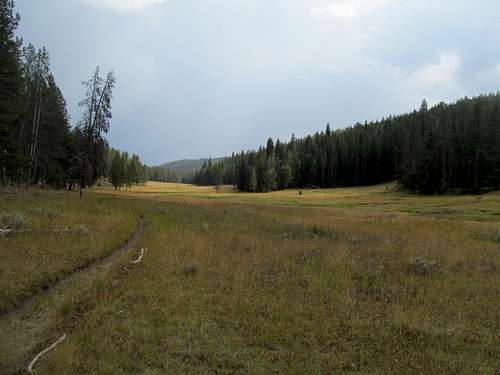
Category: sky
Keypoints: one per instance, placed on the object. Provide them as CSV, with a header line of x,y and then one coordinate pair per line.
x,y
199,78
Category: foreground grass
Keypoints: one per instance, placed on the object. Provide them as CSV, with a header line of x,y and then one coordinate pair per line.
x,y
57,233
240,283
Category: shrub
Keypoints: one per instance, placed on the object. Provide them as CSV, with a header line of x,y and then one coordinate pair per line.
x,y
14,220
82,230
190,270
496,237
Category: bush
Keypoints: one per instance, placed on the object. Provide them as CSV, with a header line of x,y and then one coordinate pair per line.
x,y
82,230
190,270
14,220
496,237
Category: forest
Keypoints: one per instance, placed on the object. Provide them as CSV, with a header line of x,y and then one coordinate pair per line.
x,y
449,148
37,144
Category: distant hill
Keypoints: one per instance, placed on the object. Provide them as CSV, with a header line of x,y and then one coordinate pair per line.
x,y
185,166
178,170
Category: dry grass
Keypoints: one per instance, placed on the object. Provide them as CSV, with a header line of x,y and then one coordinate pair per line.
x,y
281,283
58,234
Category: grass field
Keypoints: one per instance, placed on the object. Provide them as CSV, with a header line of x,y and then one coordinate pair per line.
x,y
366,280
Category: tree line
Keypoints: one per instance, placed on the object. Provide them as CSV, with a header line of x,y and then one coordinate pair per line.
x,y
164,174
447,148
125,170
37,144
180,171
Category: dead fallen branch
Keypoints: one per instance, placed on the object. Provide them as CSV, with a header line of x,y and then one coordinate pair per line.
x,y
30,367
4,232
138,260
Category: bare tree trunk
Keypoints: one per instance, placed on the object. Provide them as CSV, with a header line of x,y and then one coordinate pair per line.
x,y
4,172
35,148
35,132
89,136
42,184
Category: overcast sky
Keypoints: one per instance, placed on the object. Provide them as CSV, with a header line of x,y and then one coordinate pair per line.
x,y
203,78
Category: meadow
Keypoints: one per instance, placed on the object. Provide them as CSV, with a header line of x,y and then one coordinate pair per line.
x,y
365,280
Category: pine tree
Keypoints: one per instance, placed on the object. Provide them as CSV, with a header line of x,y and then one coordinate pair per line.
x,y
116,171
125,169
54,132
284,175
134,170
10,92
252,180
270,147
95,123
270,178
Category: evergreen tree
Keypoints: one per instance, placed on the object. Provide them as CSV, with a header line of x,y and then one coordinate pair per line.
x,y
52,155
117,171
270,147
95,123
125,168
134,170
10,92
252,180
284,175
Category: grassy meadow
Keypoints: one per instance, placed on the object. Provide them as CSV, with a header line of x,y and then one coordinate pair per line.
x,y
56,234
364,280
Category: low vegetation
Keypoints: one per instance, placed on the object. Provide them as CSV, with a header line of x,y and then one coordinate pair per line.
x,y
54,233
364,280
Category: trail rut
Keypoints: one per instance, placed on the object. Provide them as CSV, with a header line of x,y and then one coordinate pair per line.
x,y
31,323
79,269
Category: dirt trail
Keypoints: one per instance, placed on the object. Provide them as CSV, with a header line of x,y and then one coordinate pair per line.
x,y
80,269
29,326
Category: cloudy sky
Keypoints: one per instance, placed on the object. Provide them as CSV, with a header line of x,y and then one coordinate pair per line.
x,y
208,77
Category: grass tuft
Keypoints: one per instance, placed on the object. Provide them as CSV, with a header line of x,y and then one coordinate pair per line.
x,y
82,230
14,220
190,270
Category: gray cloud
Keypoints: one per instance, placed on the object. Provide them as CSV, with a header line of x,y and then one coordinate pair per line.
x,y
208,77
123,5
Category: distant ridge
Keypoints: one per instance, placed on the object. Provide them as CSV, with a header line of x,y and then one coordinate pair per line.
x,y
178,170
186,166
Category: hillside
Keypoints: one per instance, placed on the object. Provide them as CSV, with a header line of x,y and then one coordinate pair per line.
x,y
184,166
178,170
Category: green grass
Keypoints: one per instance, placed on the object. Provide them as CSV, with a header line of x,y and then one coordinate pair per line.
x,y
281,283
